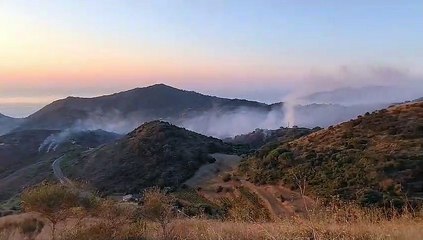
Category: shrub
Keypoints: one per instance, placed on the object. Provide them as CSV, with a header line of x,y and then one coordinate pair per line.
x,y
227,177
158,207
31,227
51,200
107,230
246,207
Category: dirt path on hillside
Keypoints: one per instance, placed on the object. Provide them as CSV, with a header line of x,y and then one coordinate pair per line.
x,y
224,163
280,200
276,209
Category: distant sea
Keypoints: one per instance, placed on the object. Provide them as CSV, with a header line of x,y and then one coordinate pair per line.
x,y
19,110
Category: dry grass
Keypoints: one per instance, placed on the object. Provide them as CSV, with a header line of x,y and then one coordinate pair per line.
x,y
297,229
347,223
156,219
344,221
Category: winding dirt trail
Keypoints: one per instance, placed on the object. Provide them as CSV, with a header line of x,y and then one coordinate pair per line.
x,y
224,163
279,200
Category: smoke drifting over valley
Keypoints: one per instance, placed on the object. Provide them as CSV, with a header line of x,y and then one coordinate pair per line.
x,y
73,136
225,123
231,123
316,100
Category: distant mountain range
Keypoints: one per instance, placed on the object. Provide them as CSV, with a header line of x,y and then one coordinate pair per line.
x,y
209,115
365,95
124,111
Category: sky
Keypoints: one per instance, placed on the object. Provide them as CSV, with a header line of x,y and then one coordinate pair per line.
x,y
260,50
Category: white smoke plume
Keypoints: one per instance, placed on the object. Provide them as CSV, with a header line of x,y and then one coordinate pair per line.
x,y
52,142
230,123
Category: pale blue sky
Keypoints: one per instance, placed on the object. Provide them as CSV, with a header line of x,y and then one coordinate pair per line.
x,y
310,32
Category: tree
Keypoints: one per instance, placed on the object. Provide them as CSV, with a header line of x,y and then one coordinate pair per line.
x,y
52,201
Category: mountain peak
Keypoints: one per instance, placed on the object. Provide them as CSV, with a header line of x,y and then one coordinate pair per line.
x,y
154,128
160,85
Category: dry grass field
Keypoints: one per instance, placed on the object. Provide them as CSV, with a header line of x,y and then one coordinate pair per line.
x,y
402,228
81,218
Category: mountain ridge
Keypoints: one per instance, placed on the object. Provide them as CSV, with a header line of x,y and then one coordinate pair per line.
x,y
210,115
143,104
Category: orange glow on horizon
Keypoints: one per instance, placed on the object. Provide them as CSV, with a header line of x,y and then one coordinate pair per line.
x,y
36,54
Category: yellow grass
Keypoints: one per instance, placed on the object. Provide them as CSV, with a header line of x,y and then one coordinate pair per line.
x,y
208,230
402,228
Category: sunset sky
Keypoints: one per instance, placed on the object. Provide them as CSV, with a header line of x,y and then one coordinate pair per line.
x,y
259,49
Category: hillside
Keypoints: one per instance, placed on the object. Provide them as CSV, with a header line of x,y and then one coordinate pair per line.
x,y
376,158
156,153
26,157
131,108
83,139
20,148
261,137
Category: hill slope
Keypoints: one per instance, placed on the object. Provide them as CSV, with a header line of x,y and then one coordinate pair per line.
x,y
156,153
20,148
375,158
126,110
26,156
261,137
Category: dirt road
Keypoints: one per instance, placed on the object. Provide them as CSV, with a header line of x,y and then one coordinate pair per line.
x,y
58,173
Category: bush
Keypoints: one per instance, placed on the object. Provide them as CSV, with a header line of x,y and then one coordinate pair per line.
x,y
107,231
246,207
51,200
31,227
227,177
370,198
158,207
54,202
